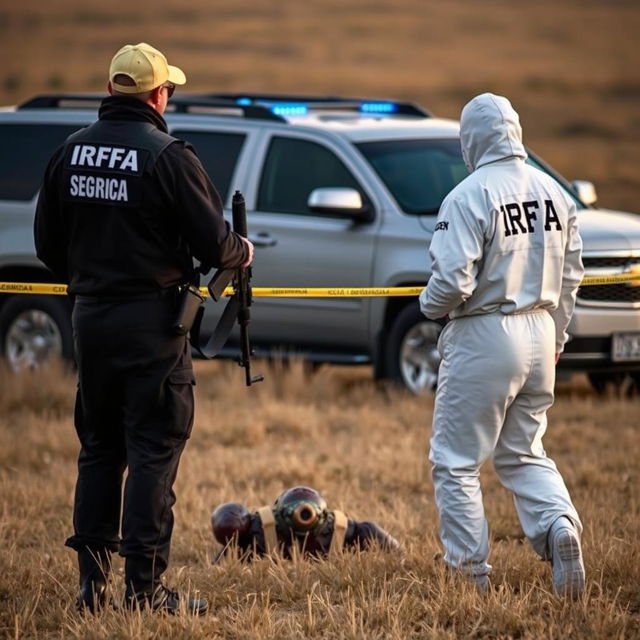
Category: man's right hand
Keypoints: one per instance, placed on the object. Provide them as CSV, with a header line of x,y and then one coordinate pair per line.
x,y
249,259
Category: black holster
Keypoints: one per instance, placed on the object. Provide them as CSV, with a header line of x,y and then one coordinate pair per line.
x,y
189,302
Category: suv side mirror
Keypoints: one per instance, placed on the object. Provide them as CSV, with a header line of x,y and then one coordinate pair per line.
x,y
586,191
343,201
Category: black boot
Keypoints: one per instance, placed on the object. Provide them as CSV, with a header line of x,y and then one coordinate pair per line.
x,y
145,589
94,568
167,601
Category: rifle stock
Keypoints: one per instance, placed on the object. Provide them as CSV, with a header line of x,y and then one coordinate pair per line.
x,y
221,280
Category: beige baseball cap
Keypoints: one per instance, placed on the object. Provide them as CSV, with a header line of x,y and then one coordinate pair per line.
x,y
146,66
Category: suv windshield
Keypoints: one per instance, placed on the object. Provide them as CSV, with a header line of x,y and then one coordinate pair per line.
x,y
420,173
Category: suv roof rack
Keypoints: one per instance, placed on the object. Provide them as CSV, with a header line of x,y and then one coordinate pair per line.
x,y
262,106
63,101
185,103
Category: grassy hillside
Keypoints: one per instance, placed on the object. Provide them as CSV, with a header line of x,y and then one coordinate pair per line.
x,y
571,67
365,450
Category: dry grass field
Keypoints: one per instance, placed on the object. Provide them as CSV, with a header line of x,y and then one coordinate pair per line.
x,y
571,67
364,448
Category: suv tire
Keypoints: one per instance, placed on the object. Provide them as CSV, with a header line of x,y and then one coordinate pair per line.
x,y
34,328
411,353
625,385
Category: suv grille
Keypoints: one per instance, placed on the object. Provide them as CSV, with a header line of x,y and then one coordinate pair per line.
x,y
621,292
612,262
618,294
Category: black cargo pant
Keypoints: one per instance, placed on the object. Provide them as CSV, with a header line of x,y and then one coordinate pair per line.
x,y
134,411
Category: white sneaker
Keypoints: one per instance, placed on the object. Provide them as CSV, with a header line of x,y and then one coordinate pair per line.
x,y
481,583
566,558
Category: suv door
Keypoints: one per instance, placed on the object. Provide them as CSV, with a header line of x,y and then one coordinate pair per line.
x,y
218,152
296,247
26,151
32,327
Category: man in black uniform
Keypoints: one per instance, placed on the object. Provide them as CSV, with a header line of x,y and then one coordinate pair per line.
x,y
123,209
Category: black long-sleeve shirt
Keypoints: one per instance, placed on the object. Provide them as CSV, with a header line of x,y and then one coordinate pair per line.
x,y
105,245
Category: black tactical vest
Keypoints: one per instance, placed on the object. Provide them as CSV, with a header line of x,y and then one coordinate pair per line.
x,y
123,234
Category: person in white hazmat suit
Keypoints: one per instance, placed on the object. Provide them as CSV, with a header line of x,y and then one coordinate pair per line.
x,y
506,264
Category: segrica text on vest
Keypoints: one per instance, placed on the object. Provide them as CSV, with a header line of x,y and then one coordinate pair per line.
x,y
99,188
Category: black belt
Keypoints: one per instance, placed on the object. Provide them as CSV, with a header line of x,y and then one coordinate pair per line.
x,y
136,297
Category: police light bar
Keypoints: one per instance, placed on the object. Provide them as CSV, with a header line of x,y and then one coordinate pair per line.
x,y
302,108
295,105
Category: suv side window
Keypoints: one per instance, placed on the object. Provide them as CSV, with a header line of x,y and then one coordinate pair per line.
x,y
419,173
293,169
218,153
24,154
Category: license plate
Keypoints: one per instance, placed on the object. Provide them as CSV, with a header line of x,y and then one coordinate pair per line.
x,y
625,347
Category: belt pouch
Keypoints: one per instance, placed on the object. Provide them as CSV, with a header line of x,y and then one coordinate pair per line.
x,y
188,304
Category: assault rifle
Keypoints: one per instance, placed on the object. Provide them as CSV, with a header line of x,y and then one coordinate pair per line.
x,y
239,304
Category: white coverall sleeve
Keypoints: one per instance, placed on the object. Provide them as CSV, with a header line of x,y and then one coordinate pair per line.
x,y
456,247
572,274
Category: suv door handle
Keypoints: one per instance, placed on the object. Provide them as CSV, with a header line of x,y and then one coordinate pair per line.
x,y
263,239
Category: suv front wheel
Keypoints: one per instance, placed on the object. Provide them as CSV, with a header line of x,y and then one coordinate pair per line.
x,y
624,384
411,352
33,329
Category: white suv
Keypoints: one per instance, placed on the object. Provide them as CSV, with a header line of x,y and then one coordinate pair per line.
x,y
339,193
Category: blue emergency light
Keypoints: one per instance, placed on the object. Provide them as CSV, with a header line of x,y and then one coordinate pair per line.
x,y
290,109
378,107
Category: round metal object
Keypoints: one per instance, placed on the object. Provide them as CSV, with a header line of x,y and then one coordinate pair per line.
x,y
32,337
419,358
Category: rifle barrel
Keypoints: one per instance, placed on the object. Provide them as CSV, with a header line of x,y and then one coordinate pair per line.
x,y
243,291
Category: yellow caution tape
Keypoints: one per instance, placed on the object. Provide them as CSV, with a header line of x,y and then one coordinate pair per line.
x,y
309,292
33,287
327,292
632,277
